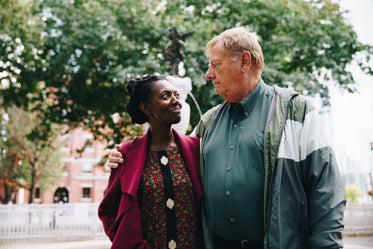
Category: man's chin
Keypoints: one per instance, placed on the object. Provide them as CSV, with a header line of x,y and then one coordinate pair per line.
x,y
221,93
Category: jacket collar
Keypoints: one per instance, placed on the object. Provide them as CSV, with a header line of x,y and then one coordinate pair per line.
x,y
135,160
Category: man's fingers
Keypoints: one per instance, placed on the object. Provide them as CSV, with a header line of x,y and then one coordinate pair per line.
x,y
115,157
111,165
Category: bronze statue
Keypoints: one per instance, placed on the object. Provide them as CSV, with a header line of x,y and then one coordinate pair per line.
x,y
173,49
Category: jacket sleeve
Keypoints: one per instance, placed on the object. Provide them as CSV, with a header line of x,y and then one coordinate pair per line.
x,y
323,183
108,208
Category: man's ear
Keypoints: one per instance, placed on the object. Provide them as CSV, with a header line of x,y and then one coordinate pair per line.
x,y
145,108
245,61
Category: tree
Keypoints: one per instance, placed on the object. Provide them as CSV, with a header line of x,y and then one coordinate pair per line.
x,y
87,50
12,170
353,193
31,152
19,40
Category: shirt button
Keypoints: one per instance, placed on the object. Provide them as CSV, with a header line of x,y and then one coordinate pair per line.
x,y
234,126
232,147
229,169
232,219
228,192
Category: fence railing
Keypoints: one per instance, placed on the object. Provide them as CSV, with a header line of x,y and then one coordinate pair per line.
x,y
358,219
49,222
79,221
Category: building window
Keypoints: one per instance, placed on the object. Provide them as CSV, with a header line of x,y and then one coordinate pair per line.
x,y
65,141
64,170
88,144
37,196
86,193
37,193
87,167
88,141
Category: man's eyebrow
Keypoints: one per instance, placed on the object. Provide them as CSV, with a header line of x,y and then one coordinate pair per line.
x,y
213,61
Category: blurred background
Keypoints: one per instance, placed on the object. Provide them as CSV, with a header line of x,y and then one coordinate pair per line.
x,y
63,70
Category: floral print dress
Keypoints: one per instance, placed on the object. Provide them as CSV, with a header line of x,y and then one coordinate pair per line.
x,y
170,213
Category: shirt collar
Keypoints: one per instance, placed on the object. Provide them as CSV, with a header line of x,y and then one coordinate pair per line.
x,y
248,103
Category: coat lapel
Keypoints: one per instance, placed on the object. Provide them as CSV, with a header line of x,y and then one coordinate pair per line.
x,y
134,165
190,153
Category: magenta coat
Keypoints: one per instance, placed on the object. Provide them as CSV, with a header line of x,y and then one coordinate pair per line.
x,y
119,210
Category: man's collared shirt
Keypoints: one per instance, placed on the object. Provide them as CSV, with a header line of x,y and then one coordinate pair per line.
x,y
234,177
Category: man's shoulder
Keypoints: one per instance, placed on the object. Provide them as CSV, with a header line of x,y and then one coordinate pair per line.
x,y
289,93
285,92
211,112
300,105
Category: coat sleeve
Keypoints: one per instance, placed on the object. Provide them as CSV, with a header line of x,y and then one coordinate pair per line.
x,y
108,208
323,183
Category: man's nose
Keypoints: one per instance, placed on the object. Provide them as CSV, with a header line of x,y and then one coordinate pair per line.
x,y
209,75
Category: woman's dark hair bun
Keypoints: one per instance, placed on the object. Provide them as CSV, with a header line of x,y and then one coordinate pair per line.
x,y
131,85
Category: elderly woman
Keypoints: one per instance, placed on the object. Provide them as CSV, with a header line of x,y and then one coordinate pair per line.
x,y
152,199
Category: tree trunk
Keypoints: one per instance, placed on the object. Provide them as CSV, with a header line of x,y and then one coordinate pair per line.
x,y
32,186
8,191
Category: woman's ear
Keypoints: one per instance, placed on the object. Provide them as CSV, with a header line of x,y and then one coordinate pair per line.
x,y
145,108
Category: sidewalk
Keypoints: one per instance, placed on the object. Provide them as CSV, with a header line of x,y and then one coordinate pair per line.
x,y
86,244
358,242
350,243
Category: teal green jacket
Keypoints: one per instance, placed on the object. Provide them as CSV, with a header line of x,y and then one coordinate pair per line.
x,y
304,196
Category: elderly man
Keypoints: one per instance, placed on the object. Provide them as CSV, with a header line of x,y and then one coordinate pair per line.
x,y
269,174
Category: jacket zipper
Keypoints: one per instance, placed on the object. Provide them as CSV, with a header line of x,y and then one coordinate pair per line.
x,y
275,166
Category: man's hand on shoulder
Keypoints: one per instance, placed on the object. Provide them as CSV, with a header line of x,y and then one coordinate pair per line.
x,y
115,158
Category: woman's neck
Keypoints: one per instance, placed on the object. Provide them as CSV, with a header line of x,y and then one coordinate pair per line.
x,y
161,139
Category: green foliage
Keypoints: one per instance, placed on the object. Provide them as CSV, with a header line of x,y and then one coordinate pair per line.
x,y
80,54
12,170
30,152
353,193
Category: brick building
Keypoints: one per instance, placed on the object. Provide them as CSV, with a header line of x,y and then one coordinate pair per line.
x,y
83,180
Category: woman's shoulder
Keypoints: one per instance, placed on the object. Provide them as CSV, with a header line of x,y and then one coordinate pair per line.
x,y
188,138
125,146
193,140
190,142
138,140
